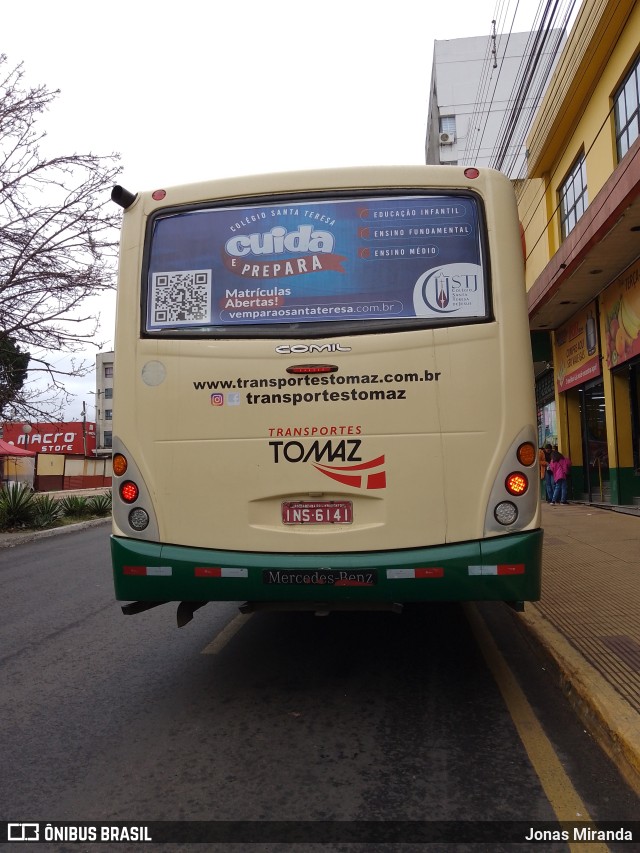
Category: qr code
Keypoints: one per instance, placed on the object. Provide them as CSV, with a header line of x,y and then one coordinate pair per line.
x,y
180,297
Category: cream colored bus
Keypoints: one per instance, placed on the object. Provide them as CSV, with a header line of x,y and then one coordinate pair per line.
x,y
324,393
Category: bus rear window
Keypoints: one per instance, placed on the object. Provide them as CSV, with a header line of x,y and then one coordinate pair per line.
x,y
323,266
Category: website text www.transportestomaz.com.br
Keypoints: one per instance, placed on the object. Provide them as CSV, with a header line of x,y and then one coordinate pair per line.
x,y
313,388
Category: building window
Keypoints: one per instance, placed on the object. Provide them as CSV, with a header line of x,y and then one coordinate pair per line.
x,y
573,196
108,393
447,124
108,414
108,370
625,102
447,130
107,436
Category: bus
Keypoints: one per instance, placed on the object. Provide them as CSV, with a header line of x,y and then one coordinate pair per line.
x,y
324,394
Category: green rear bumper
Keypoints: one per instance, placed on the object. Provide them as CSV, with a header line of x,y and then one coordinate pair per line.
x,y
504,568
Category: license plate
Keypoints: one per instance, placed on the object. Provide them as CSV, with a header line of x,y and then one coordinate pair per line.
x,y
317,512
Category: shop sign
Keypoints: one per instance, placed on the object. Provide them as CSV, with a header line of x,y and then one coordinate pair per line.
x,y
577,357
621,308
74,438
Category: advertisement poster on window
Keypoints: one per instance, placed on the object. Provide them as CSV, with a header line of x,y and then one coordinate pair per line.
x,y
370,259
577,356
621,307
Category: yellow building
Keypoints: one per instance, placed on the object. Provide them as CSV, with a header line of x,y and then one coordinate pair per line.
x,y
580,210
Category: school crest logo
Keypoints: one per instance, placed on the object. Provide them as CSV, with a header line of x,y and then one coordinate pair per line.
x,y
455,290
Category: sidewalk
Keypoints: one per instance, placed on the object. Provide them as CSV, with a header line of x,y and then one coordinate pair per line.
x,y
588,621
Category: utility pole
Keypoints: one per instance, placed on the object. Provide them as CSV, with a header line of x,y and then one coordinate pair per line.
x,y
84,428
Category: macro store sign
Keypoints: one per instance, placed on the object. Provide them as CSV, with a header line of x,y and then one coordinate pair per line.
x,y
74,438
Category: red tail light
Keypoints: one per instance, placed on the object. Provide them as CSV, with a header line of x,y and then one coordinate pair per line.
x,y
129,491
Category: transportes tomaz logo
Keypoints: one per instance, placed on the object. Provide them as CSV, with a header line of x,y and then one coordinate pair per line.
x,y
358,473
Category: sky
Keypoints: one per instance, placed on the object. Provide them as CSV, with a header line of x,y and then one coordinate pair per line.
x,y
201,89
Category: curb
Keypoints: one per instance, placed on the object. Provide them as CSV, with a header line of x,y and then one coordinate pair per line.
x,y
604,713
10,540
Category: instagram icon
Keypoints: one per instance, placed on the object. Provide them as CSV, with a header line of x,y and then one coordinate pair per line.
x,y
217,399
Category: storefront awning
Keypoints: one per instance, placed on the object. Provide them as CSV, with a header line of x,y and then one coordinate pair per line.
x,y
7,449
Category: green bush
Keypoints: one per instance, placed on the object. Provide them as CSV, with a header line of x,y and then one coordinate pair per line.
x,y
46,511
100,504
20,507
16,505
75,506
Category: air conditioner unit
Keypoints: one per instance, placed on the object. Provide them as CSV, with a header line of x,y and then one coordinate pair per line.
x,y
447,138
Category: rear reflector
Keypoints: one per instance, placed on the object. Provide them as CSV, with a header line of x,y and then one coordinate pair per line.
x,y
220,572
506,569
148,571
401,574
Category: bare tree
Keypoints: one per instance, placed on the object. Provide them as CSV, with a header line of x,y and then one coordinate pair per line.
x,y
58,238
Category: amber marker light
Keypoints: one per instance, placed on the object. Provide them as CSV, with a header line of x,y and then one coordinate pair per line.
x,y
129,492
526,454
119,464
516,483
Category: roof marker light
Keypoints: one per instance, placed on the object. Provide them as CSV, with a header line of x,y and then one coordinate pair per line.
x,y
471,173
158,195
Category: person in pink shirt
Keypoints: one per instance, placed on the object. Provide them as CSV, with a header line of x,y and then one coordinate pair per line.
x,y
559,467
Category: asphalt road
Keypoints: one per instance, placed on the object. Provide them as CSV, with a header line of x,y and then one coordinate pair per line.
x,y
271,717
